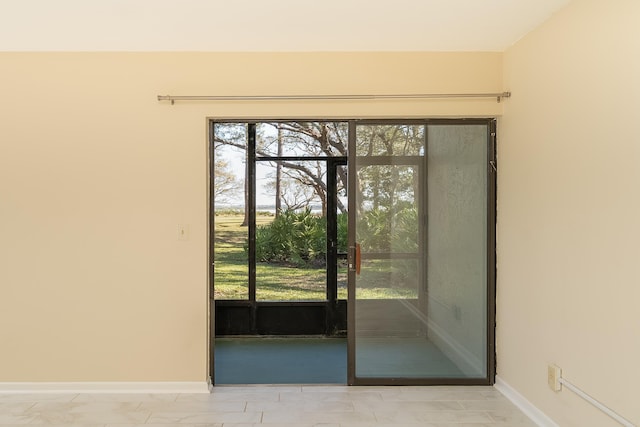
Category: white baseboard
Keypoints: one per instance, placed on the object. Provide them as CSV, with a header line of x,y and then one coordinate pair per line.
x,y
537,416
105,387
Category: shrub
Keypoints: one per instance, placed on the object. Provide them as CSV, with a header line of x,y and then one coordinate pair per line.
x,y
293,237
300,238
342,232
381,231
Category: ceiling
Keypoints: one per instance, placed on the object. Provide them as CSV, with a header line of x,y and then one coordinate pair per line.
x,y
269,25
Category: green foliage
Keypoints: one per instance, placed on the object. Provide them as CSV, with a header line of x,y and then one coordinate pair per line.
x,y
380,279
293,237
394,231
404,235
342,232
298,238
384,230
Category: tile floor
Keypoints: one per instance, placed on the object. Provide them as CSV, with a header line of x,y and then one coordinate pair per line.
x,y
264,406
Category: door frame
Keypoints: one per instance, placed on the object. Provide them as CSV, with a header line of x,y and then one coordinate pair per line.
x,y
491,246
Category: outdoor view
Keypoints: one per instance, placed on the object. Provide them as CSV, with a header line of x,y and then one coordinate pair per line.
x,y
293,196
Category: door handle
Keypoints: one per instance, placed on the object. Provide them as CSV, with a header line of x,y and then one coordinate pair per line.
x,y
358,259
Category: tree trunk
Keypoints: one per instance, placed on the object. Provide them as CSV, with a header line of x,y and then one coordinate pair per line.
x,y
279,174
245,221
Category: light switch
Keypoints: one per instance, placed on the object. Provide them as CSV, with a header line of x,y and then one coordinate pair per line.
x,y
183,231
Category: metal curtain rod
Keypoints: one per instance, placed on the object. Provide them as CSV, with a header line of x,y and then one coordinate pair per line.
x,y
173,98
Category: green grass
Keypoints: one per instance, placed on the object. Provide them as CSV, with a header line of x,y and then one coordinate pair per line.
x,y
274,282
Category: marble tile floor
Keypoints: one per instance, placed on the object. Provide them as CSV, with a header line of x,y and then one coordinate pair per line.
x,y
271,406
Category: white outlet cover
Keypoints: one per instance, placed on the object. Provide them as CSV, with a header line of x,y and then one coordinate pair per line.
x,y
553,377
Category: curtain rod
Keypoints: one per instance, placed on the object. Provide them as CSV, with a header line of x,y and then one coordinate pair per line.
x,y
355,97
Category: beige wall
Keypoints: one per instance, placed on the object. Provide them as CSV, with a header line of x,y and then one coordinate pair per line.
x,y
569,210
95,176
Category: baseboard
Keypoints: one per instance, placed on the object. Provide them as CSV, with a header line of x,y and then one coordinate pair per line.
x,y
105,387
537,416
468,363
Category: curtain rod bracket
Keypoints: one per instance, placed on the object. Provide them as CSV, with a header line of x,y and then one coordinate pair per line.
x,y
503,95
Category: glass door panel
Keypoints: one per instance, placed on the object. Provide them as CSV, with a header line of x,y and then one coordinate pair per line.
x,y
418,292
389,230
457,242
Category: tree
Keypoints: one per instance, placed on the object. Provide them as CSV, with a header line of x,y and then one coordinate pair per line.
x,y
381,186
308,139
294,196
304,139
388,186
279,174
225,183
234,135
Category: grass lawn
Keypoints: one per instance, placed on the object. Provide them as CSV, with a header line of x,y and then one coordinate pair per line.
x,y
276,282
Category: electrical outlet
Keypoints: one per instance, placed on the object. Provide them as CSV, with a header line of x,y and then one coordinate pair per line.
x,y
554,373
457,312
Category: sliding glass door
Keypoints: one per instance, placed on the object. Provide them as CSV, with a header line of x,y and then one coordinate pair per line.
x,y
420,275
380,230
